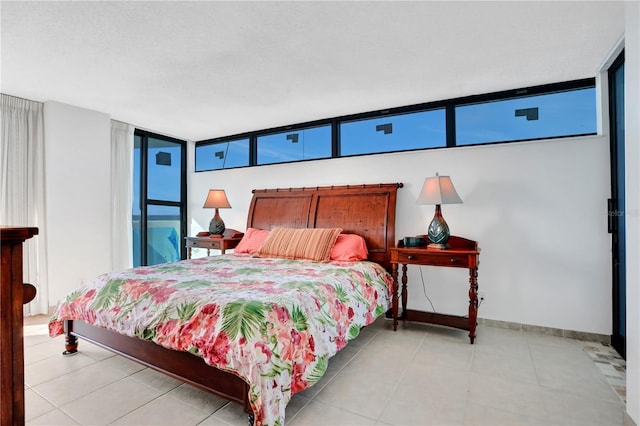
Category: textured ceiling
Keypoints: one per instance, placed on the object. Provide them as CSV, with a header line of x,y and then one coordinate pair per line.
x,y
203,69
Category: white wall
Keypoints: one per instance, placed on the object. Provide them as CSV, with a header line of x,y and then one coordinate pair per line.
x,y
632,169
77,157
537,209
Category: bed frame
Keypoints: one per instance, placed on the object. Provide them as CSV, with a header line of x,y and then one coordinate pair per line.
x,y
366,210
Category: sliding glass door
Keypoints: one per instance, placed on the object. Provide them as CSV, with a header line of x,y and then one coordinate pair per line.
x,y
159,199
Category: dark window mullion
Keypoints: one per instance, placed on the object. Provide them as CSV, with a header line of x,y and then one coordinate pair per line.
x,y
144,155
183,198
253,150
451,124
335,139
164,203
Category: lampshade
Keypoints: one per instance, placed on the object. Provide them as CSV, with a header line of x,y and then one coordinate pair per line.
x,y
438,190
217,198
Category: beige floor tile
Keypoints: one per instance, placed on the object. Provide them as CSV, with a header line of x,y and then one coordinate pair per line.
x,y
42,350
447,335
53,418
501,341
514,366
448,355
425,411
577,381
156,380
386,365
297,404
54,366
231,414
572,409
110,402
507,395
317,413
83,381
422,380
123,365
35,405
346,391
480,415
343,357
164,411
198,399
35,332
537,339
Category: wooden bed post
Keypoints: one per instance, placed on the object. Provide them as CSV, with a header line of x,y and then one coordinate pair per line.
x,y
70,341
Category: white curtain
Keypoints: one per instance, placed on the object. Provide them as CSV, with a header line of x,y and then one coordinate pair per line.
x,y
22,188
121,195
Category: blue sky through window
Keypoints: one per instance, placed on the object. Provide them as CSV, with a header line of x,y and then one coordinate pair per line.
x,y
559,114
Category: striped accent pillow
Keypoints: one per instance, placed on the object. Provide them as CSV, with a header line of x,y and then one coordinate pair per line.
x,y
300,243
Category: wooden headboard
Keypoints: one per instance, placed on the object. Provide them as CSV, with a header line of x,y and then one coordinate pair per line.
x,y
366,210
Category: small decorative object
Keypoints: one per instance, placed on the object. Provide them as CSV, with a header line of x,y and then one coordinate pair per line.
x,y
438,190
217,199
413,241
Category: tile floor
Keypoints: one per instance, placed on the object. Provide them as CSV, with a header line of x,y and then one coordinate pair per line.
x,y
419,375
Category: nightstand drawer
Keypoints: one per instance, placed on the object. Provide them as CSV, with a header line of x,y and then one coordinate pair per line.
x,y
434,259
201,243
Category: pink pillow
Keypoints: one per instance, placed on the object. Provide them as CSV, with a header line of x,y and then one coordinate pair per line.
x,y
251,241
349,248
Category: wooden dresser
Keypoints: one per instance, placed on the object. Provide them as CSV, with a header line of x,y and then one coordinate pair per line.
x,y
13,294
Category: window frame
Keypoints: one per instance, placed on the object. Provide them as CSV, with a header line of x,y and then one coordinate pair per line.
x,y
448,105
145,202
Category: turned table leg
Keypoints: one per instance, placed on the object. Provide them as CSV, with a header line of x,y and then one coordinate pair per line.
x,y
394,300
473,303
404,291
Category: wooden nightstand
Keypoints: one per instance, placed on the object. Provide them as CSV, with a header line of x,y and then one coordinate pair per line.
x,y
462,253
227,241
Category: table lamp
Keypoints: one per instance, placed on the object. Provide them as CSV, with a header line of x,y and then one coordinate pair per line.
x,y
438,190
216,199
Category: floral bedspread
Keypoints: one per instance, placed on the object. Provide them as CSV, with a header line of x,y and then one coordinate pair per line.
x,y
273,322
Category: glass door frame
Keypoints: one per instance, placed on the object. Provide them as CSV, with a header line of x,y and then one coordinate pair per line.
x,y
145,201
617,207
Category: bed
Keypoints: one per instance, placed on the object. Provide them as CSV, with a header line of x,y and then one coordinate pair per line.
x,y
261,348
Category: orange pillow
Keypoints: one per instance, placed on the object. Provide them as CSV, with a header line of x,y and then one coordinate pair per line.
x,y
251,241
300,243
349,248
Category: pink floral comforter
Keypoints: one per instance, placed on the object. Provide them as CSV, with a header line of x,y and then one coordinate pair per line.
x,y
273,322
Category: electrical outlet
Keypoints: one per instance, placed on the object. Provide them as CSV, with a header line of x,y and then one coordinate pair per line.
x,y
482,295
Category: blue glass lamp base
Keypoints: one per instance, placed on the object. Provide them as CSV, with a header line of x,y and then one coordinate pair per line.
x,y
216,226
438,233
